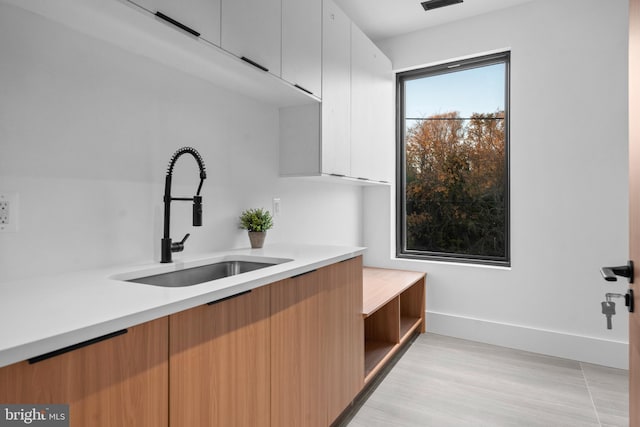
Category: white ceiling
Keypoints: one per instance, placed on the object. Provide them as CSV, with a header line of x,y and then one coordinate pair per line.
x,y
381,19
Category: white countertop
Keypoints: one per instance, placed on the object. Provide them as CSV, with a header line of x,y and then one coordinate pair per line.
x,y
44,314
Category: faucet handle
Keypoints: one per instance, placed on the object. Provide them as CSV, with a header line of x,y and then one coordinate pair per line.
x,y
179,246
197,211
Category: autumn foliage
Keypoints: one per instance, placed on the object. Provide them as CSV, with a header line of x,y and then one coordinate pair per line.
x,y
455,185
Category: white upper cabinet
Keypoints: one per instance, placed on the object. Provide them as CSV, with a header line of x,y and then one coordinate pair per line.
x,y
251,29
372,110
302,44
202,16
314,139
351,133
336,90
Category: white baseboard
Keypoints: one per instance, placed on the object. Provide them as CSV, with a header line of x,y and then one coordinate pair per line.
x,y
576,347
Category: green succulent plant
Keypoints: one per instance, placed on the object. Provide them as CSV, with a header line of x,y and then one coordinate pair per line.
x,y
256,219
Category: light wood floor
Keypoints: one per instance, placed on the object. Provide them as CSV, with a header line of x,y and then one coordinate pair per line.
x,y
443,381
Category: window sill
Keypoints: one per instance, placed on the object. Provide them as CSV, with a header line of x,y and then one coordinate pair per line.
x,y
453,262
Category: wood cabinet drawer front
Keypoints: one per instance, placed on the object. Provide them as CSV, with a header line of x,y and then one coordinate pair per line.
x,y
219,363
119,382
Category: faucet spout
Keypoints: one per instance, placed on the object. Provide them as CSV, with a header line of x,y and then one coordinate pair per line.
x,y
167,247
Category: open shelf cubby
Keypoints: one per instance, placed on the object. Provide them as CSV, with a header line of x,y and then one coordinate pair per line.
x,y
393,310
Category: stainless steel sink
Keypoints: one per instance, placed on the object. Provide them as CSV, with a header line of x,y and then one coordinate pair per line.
x,y
206,273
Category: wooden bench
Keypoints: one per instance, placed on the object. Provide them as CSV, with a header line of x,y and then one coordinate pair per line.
x,y
393,310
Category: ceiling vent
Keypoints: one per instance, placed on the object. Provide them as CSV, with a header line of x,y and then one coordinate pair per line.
x,y
435,4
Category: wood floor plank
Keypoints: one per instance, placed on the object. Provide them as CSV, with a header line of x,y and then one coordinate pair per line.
x,y
445,381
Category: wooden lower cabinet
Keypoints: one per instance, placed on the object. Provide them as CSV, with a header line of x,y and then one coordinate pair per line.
x,y
121,381
317,335
297,392
288,354
343,334
220,363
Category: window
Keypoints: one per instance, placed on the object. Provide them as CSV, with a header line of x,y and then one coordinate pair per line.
x,y
453,161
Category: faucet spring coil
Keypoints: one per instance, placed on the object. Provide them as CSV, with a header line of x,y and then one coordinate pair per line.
x,y
179,152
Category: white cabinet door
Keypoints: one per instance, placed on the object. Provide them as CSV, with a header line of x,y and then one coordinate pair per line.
x,y
202,16
336,98
357,113
372,140
251,29
300,145
302,44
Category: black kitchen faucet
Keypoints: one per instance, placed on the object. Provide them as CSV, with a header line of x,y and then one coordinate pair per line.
x,y
167,247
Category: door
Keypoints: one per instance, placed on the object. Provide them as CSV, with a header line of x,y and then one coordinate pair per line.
x,y
372,110
297,392
634,204
343,334
219,363
118,380
252,30
336,90
302,44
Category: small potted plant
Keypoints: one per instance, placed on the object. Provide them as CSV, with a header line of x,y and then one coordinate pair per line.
x,y
257,222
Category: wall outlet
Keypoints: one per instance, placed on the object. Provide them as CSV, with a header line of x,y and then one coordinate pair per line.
x,y
8,212
276,206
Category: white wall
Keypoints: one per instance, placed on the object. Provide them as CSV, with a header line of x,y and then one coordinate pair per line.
x,y
568,181
86,132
